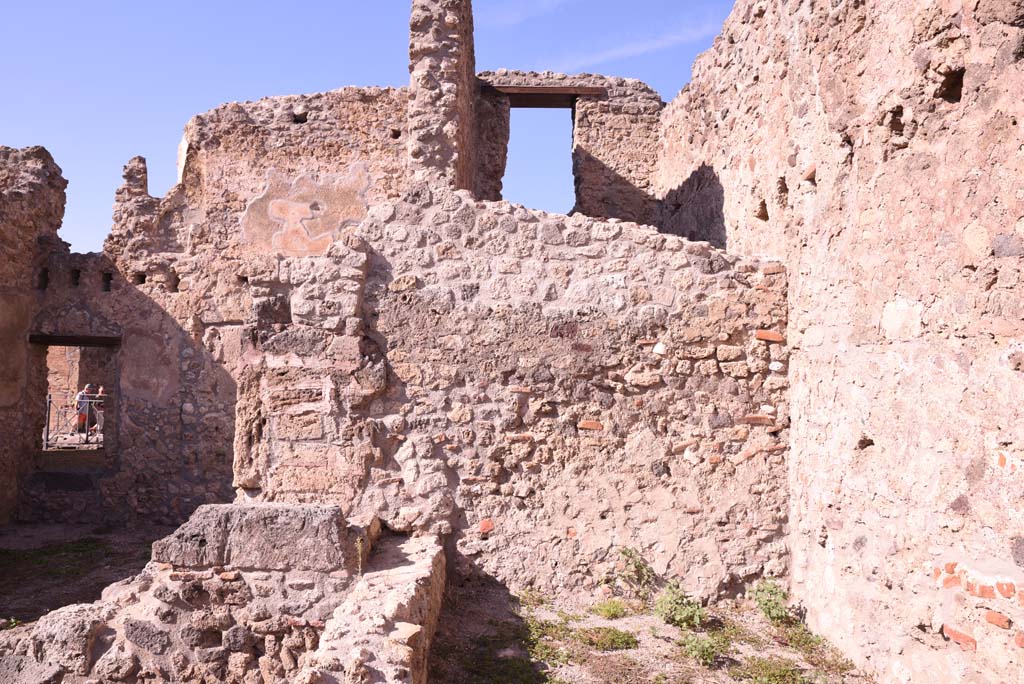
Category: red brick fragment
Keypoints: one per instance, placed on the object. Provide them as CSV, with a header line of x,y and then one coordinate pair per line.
x,y
951,582
1019,640
759,419
936,573
986,591
951,568
1002,460
998,619
486,526
770,336
570,532
590,425
1006,589
965,640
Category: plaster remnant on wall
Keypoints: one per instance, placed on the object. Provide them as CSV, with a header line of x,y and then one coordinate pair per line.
x,y
304,216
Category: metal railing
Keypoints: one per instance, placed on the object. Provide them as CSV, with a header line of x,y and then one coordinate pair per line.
x,y
74,423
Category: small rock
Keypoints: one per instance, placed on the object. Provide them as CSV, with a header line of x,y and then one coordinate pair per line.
x,y
405,633
403,283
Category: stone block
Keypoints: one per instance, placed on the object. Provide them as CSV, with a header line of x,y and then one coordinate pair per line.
x,y
263,537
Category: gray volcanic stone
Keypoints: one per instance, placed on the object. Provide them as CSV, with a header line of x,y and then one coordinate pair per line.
x,y
263,537
147,635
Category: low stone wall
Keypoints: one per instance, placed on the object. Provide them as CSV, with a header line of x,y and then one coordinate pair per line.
x,y
264,593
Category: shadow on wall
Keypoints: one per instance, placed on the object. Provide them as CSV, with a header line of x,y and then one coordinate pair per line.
x,y
174,403
695,210
601,192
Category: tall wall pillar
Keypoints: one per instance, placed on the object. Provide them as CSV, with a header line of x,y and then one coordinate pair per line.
x,y
31,209
442,92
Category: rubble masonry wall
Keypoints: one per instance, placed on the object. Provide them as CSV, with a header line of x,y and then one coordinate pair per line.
x,y
442,92
526,380
177,293
31,208
877,150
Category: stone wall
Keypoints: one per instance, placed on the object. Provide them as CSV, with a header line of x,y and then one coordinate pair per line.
x,y
527,380
282,175
615,142
877,149
31,208
233,156
169,418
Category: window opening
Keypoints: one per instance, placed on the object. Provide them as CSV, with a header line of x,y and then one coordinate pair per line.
x,y
539,173
79,397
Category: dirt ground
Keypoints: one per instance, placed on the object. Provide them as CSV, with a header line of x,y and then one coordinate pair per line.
x,y
45,567
487,636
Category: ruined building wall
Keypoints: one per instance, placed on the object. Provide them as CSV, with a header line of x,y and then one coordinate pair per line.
x,y
229,153
877,148
614,147
31,208
527,380
172,284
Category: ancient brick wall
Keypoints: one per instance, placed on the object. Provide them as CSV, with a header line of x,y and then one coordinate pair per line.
x,y
170,412
527,380
877,149
31,207
615,142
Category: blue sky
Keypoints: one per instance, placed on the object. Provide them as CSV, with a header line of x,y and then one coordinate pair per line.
x,y
101,81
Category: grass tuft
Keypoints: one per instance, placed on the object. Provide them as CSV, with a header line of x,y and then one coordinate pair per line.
x,y
611,609
818,653
706,650
608,638
769,671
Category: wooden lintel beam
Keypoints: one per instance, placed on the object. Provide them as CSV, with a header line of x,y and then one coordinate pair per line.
x,y
74,340
544,97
